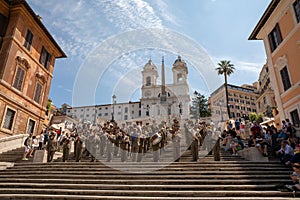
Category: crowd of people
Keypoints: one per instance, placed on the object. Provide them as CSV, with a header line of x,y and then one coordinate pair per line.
x,y
126,141
282,142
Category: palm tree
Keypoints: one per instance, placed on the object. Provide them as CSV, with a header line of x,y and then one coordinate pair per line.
x,y
226,68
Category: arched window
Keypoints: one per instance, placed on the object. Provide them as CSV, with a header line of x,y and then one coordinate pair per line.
x,y
147,110
148,81
179,77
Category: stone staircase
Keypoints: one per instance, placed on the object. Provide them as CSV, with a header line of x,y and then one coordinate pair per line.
x,y
183,180
14,155
231,178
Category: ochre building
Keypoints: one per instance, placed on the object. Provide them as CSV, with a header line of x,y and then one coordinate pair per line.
x,y
279,28
27,57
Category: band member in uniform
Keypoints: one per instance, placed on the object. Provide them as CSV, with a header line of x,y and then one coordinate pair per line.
x,y
135,144
109,145
164,136
142,139
94,140
176,137
124,146
156,146
117,141
103,140
66,140
146,132
195,142
78,150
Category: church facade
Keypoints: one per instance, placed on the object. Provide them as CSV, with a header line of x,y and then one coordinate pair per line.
x,y
165,101
158,101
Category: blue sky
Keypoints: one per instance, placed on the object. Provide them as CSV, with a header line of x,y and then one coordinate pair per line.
x,y
219,29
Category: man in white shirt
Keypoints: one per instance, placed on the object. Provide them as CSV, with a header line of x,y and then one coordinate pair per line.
x,y
286,152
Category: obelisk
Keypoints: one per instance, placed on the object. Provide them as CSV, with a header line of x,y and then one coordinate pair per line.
x,y
163,95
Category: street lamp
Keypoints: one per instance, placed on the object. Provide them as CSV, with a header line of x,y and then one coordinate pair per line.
x,y
113,104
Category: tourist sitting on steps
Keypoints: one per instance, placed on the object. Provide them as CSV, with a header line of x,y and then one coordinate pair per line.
x,y
295,158
286,152
251,141
233,147
262,145
295,176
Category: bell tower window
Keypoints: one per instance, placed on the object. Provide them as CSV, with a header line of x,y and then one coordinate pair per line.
x,y
148,81
179,77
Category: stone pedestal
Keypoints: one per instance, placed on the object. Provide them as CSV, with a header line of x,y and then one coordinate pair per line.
x,y
164,111
40,156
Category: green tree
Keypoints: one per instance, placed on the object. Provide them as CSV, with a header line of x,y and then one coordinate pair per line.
x,y
256,117
199,106
259,118
252,117
225,68
48,107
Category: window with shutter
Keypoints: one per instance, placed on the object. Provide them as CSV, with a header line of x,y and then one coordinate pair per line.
x,y
28,40
45,58
38,92
19,79
9,119
285,78
30,127
295,117
275,38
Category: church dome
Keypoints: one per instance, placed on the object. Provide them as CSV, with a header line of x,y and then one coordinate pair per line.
x,y
150,66
180,64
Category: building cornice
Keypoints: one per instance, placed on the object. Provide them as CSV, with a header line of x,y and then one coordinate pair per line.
x,y
263,19
36,18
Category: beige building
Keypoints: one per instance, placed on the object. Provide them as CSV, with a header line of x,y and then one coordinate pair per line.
x,y
241,100
266,100
105,112
27,57
279,28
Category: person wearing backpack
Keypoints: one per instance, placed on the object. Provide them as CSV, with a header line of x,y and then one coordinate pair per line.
x,y
27,144
51,147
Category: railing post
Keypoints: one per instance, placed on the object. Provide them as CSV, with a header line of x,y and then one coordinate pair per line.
x,y
216,150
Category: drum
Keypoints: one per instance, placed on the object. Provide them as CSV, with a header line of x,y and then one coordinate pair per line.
x,y
156,138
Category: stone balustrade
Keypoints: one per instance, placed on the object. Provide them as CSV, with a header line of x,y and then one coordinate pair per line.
x,y
12,142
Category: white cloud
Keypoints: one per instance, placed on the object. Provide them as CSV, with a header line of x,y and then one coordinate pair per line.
x,y
240,65
79,26
248,66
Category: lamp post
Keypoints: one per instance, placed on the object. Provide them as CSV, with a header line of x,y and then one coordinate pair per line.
x,y
113,106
